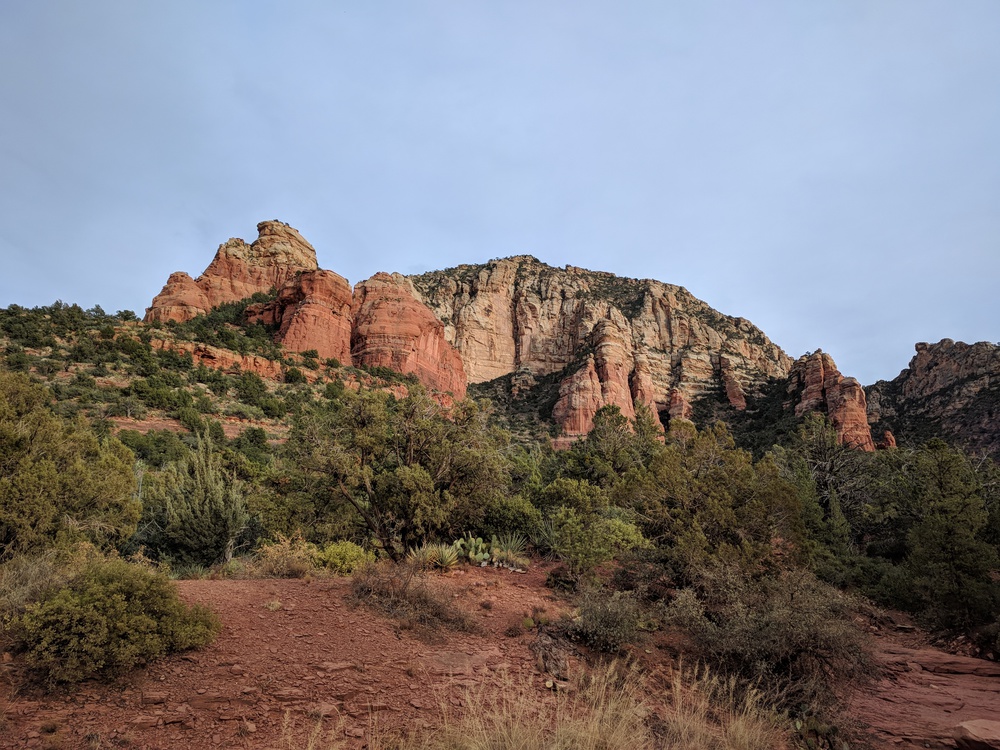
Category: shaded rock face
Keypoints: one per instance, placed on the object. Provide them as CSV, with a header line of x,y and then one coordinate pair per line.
x,y
312,311
815,384
611,341
950,389
238,271
393,329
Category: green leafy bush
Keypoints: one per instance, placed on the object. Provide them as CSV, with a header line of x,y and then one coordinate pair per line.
x,y
342,557
107,620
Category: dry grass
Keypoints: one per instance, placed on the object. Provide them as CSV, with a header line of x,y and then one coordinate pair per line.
x,y
609,708
707,712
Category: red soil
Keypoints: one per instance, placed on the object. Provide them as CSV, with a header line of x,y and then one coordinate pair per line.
x,y
296,651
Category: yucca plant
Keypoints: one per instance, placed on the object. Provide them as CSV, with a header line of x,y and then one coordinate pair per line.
x,y
508,551
446,556
423,557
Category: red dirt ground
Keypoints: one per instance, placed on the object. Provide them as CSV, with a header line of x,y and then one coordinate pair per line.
x,y
299,652
313,658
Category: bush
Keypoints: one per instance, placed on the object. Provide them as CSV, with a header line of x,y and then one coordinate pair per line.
x,y
790,633
288,557
606,622
109,619
342,558
400,590
506,514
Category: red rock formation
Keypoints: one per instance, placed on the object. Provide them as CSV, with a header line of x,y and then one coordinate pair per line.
x,y
313,311
238,271
650,342
888,441
392,328
227,360
816,384
579,400
978,734
921,697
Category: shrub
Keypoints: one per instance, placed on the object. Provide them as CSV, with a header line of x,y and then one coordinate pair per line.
x,y
790,633
607,622
190,418
110,618
288,557
195,512
403,592
506,514
342,557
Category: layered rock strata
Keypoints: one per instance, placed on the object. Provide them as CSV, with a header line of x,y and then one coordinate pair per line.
x,y
382,323
393,329
950,389
612,341
312,312
573,339
238,271
815,384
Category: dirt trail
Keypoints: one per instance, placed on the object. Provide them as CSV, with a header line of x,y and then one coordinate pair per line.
x,y
292,650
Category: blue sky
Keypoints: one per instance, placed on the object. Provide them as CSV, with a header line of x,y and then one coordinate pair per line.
x,y
828,169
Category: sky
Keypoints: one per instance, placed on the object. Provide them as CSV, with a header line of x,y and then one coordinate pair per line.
x,y
828,169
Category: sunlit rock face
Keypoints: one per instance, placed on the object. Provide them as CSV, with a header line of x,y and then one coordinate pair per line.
x,y
610,340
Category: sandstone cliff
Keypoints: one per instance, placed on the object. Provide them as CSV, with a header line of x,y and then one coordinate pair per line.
x,y
380,324
556,344
393,329
950,389
312,312
815,384
238,271
602,339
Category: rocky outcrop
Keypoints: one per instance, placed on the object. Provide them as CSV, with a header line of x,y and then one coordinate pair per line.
x,y
312,312
606,340
978,734
238,271
815,384
384,324
227,360
950,389
922,697
393,329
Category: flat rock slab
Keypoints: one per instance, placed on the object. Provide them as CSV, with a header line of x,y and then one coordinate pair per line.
x,y
981,734
924,696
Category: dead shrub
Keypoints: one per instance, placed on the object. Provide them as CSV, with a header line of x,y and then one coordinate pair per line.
x,y
403,592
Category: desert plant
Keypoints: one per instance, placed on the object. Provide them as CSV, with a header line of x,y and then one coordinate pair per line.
x,y
110,618
342,557
287,557
402,591
195,513
472,549
607,620
508,551
789,633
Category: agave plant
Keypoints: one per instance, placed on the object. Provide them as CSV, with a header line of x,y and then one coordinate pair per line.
x,y
423,557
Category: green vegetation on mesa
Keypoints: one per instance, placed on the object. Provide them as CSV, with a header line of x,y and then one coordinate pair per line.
x,y
752,556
